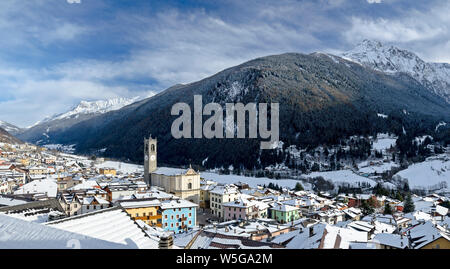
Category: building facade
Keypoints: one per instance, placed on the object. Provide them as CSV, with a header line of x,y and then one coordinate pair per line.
x,y
178,215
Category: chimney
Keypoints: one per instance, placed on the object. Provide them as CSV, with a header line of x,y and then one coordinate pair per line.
x,y
166,241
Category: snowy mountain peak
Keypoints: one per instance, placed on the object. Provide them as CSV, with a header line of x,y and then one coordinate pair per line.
x,y
392,60
91,107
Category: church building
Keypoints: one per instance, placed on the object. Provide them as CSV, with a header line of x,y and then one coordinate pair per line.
x,y
184,183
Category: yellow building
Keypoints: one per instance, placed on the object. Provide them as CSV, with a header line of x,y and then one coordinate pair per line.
x,y
440,243
25,162
108,171
145,210
204,194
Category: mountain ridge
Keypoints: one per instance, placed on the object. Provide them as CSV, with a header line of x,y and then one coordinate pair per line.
x,y
322,98
392,60
83,111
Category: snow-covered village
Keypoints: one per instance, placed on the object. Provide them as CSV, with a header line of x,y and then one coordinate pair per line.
x,y
228,132
49,198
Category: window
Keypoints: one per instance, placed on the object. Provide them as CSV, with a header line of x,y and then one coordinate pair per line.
x,y
190,222
144,214
87,207
190,214
171,217
190,186
137,214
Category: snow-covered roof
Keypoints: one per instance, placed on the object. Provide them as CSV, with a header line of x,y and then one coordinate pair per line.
x,y
305,240
44,186
169,171
179,203
140,204
20,234
393,240
337,237
425,233
9,201
223,190
443,211
113,225
284,208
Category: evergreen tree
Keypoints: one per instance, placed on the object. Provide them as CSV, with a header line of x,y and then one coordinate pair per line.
x,y
298,187
409,205
406,187
387,209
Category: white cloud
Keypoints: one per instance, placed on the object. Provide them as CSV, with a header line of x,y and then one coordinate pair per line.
x,y
74,1
374,1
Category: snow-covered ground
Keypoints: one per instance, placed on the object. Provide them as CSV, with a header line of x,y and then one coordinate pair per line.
x,y
365,167
427,175
125,168
342,177
60,147
252,181
384,141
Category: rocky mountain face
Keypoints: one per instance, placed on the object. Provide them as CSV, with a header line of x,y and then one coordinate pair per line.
x,y
322,98
6,137
392,60
41,132
12,129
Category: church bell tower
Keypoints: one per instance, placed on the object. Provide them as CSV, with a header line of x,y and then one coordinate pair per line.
x,y
150,155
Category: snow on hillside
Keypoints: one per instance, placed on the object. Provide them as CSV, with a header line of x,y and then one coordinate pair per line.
x,y
392,60
430,174
342,177
61,148
439,125
366,167
383,142
421,139
9,127
126,168
251,181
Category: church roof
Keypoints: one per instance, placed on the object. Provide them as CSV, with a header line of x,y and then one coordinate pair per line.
x,y
168,171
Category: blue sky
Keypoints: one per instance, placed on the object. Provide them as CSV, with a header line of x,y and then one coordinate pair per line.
x,y
54,53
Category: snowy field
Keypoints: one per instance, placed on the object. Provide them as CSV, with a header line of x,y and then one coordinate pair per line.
x,y
426,175
342,177
126,168
364,167
251,181
383,142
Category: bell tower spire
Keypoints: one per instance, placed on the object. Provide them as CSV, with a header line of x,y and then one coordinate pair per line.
x,y
150,157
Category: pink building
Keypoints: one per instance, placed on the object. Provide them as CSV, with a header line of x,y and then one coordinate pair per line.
x,y
245,209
